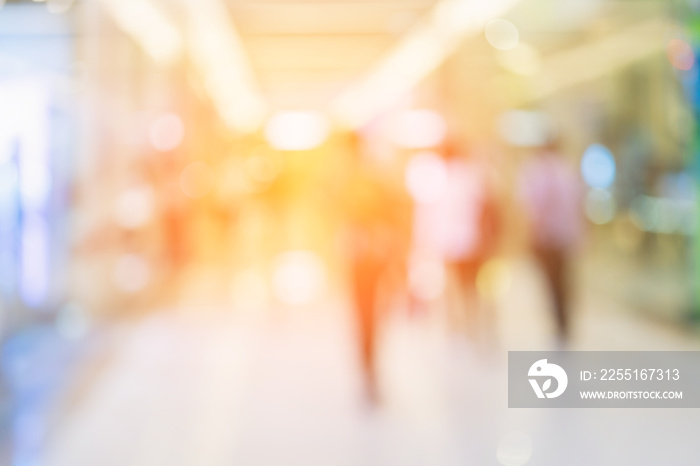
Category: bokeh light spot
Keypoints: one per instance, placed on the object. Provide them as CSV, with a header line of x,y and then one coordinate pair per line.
x,y
680,54
502,34
299,277
166,132
296,131
262,167
524,128
134,207
600,206
598,166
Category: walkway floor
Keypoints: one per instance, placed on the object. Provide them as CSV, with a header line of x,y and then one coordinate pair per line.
x,y
212,387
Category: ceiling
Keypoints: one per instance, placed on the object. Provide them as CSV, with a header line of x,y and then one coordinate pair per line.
x,y
305,52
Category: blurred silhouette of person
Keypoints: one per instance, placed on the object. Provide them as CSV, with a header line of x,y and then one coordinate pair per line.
x,y
460,226
174,217
550,192
376,229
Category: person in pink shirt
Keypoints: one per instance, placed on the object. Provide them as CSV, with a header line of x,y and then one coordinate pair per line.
x,y
459,226
550,192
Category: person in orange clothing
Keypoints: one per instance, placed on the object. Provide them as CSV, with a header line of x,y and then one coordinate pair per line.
x,y
376,230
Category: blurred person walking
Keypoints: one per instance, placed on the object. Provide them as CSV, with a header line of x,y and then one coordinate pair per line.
x,y
550,192
376,229
460,226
